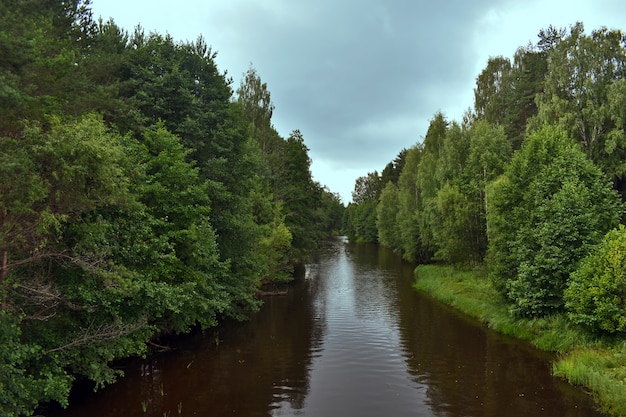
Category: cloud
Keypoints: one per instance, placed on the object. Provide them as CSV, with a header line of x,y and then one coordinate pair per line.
x,y
360,78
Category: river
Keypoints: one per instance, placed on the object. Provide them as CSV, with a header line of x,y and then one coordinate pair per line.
x,y
351,339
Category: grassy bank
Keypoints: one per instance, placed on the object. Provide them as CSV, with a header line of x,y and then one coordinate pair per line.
x,y
595,363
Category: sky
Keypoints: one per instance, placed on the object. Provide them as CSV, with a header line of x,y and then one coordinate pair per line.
x,y
360,79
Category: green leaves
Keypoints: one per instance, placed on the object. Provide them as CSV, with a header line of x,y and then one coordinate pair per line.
x,y
596,294
109,239
582,89
551,206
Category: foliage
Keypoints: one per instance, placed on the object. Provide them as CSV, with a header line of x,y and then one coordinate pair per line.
x,y
505,92
21,388
551,206
304,206
386,220
581,72
596,294
137,199
367,188
360,222
408,202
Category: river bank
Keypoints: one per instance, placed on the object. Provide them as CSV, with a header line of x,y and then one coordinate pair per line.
x,y
598,364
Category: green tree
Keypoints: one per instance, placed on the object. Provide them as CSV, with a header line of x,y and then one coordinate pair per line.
x,y
180,84
391,172
596,294
387,219
360,222
360,218
492,88
527,76
409,206
489,152
582,69
551,206
257,107
367,188
68,172
429,179
330,213
299,193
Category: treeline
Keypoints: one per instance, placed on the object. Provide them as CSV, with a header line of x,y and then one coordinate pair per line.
x,y
139,197
530,183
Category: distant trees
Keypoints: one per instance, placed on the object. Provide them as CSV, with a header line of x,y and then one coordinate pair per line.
x,y
360,216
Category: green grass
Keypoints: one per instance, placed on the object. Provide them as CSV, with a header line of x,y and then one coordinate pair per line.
x,y
595,363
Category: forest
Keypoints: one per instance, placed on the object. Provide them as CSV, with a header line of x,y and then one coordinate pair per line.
x,y
141,197
530,184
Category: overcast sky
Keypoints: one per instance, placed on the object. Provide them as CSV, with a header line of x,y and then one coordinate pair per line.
x,y
360,79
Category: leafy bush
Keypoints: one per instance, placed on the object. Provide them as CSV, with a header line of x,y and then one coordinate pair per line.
x,y
551,206
596,295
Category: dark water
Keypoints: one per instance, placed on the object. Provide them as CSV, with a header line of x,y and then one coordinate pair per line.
x,y
352,339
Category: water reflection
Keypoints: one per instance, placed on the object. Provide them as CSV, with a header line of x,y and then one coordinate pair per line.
x,y
352,338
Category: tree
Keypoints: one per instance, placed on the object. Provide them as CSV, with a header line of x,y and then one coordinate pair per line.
x,y
387,219
493,85
596,294
581,72
360,222
489,152
527,76
330,213
409,205
299,193
257,107
42,44
68,172
429,180
392,170
180,84
367,188
550,207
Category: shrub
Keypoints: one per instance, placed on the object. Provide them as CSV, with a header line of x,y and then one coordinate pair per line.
x,y
596,295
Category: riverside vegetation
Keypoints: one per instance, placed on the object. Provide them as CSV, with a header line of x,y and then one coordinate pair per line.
x,y
140,197
515,214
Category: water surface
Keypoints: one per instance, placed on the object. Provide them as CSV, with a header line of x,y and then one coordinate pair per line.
x,y
351,339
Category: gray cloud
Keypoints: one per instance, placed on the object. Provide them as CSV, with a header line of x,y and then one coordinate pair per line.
x,y
359,78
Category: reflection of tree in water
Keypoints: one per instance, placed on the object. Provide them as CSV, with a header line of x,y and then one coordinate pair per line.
x,y
375,289
464,369
470,371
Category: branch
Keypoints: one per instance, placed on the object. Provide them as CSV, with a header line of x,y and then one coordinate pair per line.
x,y
108,332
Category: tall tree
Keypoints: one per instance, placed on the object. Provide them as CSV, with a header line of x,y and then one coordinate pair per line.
x,y
582,69
391,172
527,76
43,45
409,200
492,87
387,219
257,107
549,208
299,193
429,182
